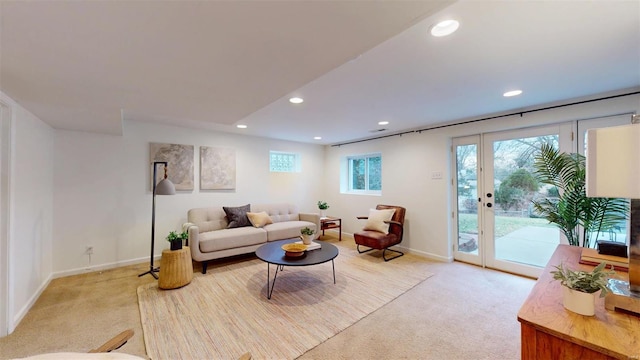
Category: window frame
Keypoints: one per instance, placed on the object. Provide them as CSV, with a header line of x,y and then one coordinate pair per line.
x,y
349,174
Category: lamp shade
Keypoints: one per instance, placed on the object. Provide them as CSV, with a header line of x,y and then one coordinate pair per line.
x,y
613,162
165,187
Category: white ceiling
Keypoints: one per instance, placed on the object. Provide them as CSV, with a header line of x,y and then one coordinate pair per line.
x,y
212,65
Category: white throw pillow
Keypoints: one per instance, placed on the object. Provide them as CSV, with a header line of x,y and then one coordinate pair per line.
x,y
377,218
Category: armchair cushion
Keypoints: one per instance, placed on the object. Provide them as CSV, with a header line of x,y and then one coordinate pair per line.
x,y
237,216
378,220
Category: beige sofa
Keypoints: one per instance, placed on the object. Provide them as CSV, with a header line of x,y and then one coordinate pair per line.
x,y
209,237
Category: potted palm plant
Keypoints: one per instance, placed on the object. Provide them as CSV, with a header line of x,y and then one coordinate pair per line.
x,y
176,239
572,210
580,287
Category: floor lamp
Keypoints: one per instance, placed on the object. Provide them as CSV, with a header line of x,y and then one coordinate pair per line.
x,y
613,170
164,187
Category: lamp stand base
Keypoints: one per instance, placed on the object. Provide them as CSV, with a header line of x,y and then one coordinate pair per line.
x,y
151,271
621,298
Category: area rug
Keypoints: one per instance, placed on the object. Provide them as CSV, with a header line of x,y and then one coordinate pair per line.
x,y
225,313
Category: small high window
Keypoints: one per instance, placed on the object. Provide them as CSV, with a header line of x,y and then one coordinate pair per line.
x,y
284,162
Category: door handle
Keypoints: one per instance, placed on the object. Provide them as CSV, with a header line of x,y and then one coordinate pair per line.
x,y
489,195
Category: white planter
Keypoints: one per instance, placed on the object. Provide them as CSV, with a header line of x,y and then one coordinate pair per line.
x,y
306,239
323,213
579,302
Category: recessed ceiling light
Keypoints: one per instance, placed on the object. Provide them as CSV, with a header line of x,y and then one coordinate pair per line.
x,y
383,123
512,93
317,138
241,126
296,100
444,28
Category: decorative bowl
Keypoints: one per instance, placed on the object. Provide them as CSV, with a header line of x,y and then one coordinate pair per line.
x,y
293,249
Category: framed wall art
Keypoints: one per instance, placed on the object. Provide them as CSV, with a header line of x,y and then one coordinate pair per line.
x,y
217,168
180,163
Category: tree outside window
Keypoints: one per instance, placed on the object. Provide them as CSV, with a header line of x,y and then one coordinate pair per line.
x,y
365,173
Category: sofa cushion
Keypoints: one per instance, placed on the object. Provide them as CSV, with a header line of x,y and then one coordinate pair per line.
x,y
208,219
231,238
377,218
278,212
259,219
237,216
286,229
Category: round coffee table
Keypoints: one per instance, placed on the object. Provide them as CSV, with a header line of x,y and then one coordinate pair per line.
x,y
272,253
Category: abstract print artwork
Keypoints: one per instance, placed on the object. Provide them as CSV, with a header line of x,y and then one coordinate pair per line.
x,y
180,163
217,168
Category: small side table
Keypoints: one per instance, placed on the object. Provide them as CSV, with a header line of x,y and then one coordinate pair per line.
x,y
176,268
331,223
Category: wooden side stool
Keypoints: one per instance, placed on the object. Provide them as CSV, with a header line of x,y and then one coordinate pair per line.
x,y
176,268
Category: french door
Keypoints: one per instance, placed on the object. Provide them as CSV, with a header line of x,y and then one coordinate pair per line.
x,y
495,224
493,180
518,239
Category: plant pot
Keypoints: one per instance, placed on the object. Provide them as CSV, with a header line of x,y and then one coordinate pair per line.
x,y
323,213
306,239
176,245
579,302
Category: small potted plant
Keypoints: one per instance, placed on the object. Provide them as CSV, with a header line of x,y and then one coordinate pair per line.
x,y
307,235
175,239
580,287
323,206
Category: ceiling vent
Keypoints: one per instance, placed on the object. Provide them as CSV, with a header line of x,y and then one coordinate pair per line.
x,y
377,130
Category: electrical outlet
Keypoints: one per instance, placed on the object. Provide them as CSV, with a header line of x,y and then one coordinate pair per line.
x,y
89,250
436,175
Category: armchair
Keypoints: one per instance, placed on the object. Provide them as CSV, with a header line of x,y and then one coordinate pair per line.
x,y
375,236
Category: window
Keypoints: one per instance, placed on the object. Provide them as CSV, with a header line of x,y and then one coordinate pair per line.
x,y
284,162
365,173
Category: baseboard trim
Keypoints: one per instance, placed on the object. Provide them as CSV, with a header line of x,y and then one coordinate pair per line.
x,y
32,300
428,255
106,266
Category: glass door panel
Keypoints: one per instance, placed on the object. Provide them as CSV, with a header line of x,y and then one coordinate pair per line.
x,y
467,216
520,234
518,239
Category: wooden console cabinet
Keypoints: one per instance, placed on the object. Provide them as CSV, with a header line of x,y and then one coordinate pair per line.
x,y
549,331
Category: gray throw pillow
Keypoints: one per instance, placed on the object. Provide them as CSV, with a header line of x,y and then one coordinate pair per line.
x,y
237,216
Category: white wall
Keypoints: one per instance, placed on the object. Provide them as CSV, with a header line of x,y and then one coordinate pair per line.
x,y
103,198
31,211
409,160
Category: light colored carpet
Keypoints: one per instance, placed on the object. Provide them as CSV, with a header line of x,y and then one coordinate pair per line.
x,y
225,313
462,312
